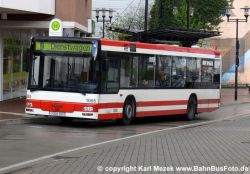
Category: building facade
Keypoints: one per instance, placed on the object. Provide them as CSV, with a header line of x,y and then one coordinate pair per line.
x,y
226,44
21,20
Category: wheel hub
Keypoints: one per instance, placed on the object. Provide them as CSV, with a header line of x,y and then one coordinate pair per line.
x,y
129,111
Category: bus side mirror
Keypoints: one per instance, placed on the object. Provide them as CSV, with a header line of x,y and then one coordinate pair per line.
x,y
105,65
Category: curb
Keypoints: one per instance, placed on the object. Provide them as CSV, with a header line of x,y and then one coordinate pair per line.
x,y
23,118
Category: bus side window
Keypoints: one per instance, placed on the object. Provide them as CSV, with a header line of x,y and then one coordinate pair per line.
x,y
129,71
147,71
134,73
217,66
110,76
163,73
125,71
192,73
207,71
178,72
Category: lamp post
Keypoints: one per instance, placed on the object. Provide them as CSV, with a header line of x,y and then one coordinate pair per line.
x,y
188,14
146,16
103,12
237,20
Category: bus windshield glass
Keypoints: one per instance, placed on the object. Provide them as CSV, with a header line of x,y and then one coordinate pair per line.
x,y
60,73
63,72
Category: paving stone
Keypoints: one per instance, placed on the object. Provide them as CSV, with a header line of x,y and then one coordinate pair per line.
x,y
225,143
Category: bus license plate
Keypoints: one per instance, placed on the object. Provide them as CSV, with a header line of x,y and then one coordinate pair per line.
x,y
57,113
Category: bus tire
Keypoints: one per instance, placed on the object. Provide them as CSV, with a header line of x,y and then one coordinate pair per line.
x,y
128,112
191,108
66,120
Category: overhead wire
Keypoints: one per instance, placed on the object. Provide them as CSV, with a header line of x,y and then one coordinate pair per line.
x,y
129,5
138,7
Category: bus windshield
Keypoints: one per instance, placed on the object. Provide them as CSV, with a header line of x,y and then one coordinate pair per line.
x,y
64,73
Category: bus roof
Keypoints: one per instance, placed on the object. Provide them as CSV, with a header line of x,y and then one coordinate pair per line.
x,y
116,43
139,45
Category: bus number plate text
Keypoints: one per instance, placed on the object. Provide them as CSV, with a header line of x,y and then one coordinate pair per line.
x,y
57,113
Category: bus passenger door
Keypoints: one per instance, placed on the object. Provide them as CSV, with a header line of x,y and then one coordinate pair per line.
x,y
110,75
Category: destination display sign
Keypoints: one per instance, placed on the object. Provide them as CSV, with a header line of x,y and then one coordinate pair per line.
x,y
63,47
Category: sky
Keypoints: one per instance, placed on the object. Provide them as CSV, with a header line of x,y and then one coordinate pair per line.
x,y
118,5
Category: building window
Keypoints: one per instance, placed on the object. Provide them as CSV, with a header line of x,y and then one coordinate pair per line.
x,y
15,64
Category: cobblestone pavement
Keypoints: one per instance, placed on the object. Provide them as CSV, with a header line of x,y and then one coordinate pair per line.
x,y
227,96
16,105
225,143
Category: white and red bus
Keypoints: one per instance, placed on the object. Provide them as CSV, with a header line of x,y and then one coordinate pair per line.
x,y
106,79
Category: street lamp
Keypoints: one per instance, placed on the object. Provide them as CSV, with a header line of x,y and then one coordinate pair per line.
x,y
237,20
103,12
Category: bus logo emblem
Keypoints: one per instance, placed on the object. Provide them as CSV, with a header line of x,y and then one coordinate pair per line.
x,y
57,107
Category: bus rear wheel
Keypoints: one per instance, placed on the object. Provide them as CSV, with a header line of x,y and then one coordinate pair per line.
x,y
191,108
128,112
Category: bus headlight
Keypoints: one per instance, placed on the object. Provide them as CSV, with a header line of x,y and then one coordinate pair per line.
x,y
88,108
29,104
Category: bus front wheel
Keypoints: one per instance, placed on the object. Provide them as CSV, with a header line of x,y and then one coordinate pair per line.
x,y
191,108
128,112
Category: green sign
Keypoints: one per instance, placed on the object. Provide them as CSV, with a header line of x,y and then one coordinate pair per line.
x,y
55,25
63,47
56,28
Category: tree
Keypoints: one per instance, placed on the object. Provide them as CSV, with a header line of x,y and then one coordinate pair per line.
x,y
162,14
132,20
207,14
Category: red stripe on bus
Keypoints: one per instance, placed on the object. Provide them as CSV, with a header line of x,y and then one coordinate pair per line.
x,y
214,101
209,101
77,106
161,103
71,107
177,102
60,106
110,105
159,47
110,116
160,113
